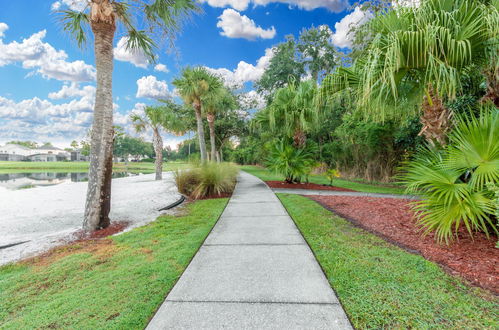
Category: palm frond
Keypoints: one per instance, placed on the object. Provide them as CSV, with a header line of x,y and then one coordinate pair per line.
x,y
74,23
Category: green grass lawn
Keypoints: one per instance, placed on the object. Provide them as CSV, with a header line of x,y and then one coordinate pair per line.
x,y
66,167
267,175
384,287
117,284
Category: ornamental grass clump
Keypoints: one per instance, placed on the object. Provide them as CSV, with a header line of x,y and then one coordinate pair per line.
x,y
206,180
454,182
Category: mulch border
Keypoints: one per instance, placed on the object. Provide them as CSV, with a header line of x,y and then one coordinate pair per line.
x,y
404,247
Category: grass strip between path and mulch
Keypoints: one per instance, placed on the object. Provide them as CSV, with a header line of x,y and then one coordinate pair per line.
x,y
115,283
266,175
383,286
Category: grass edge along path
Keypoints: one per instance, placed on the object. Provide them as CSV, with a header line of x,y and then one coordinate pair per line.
x,y
383,286
115,283
267,175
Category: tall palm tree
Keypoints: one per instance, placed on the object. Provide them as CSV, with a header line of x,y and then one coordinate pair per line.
x,y
194,85
156,118
294,110
214,104
416,58
103,16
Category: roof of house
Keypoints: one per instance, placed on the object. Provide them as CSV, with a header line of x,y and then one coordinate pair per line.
x,y
48,148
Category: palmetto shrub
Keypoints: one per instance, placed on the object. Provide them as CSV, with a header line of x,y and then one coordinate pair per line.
x,y
291,162
206,180
453,182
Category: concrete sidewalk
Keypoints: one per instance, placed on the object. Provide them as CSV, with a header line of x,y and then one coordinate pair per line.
x,y
254,271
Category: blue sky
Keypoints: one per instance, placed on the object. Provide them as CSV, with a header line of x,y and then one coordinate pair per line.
x,y
47,82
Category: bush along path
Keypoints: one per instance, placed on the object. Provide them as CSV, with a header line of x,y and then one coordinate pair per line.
x,y
254,270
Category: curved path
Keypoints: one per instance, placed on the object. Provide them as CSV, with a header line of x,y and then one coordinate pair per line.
x,y
254,271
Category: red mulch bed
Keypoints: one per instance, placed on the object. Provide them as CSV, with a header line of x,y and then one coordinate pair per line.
x,y
114,228
313,186
476,260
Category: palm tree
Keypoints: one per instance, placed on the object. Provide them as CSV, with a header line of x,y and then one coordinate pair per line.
x,y
194,85
217,103
417,56
295,110
103,16
155,118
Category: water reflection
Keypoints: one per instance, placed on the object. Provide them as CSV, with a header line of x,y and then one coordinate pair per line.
x,y
30,180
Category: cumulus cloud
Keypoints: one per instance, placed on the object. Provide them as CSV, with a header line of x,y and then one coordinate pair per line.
x,y
151,87
235,25
252,100
136,57
3,27
244,71
77,5
342,37
241,5
161,68
73,90
33,53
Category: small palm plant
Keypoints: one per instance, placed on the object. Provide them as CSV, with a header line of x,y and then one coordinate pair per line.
x,y
453,182
332,174
293,163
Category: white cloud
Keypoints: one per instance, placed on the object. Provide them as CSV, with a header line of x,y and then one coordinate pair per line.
x,y
136,57
241,5
33,53
77,5
342,37
3,27
73,90
151,87
235,25
252,100
161,68
245,72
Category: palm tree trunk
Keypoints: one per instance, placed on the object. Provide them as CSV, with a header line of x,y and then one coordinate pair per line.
x,y
211,123
102,127
492,94
299,138
436,119
158,149
106,193
199,122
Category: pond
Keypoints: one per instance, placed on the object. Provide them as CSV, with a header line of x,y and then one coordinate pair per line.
x,y
39,179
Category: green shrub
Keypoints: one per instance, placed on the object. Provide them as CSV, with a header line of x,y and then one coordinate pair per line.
x,y
293,163
210,179
453,181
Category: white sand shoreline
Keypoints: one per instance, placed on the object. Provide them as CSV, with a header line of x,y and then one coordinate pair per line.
x,y
48,216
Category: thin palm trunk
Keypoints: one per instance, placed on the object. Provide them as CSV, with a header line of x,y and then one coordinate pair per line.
x,y
158,149
106,193
492,94
102,128
211,123
299,138
436,119
199,122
